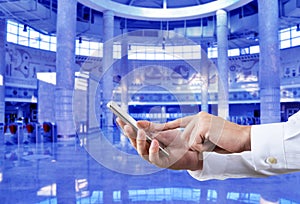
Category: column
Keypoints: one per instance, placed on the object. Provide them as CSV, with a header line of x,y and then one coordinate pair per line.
x,y
124,72
204,77
223,93
2,69
124,81
65,63
269,62
107,86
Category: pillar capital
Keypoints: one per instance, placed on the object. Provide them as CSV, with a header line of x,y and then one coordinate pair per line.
x,y
221,17
108,13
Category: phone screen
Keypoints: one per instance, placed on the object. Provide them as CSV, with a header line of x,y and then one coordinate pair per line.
x,y
116,109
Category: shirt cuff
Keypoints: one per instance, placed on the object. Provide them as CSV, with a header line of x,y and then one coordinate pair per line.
x,y
213,167
223,166
267,146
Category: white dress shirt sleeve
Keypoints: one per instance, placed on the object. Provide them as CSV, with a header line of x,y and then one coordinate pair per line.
x,y
274,150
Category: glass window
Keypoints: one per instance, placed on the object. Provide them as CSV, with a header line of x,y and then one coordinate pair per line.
x,y
140,48
234,52
45,38
187,55
12,27
149,56
194,31
294,32
117,55
53,47
177,49
254,49
187,48
45,45
84,44
12,38
196,55
296,41
101,49
168,49
151,48
133,48
21,32
84,52
212,52
140,56
180,31
53,39
169,56
77,50
132,55
285,44
23,40
196,48
33,34
285,34
30,37
117,48
159,56
94,45
34,43
117,51
96,53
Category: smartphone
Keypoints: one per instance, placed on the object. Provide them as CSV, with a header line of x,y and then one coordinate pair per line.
x,y
116,109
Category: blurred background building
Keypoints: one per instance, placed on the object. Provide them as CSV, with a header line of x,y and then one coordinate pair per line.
x,y
62,61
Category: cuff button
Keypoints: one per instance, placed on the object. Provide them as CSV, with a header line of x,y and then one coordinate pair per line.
x,y
271,160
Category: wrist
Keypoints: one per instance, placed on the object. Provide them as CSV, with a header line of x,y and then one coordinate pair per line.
x,y
247,138
198,166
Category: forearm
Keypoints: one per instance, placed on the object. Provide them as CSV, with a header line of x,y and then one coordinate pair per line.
x,y
240,136
228,135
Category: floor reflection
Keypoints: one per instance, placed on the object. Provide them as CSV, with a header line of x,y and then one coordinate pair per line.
x,y
64,172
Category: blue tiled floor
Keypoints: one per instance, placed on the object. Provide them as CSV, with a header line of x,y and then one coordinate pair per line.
x,y
65,172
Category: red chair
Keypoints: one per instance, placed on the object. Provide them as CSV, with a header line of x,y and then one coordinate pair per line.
x,y
29,128
13,128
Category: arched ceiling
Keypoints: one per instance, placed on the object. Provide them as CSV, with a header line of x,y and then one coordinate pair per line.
x,y
160,10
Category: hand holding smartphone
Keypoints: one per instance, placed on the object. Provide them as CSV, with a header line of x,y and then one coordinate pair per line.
x,y
116,109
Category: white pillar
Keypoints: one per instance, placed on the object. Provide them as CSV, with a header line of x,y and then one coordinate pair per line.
x,y
65,63
223,93
2,69
269,62
204,77
124,82
107,86
124,72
